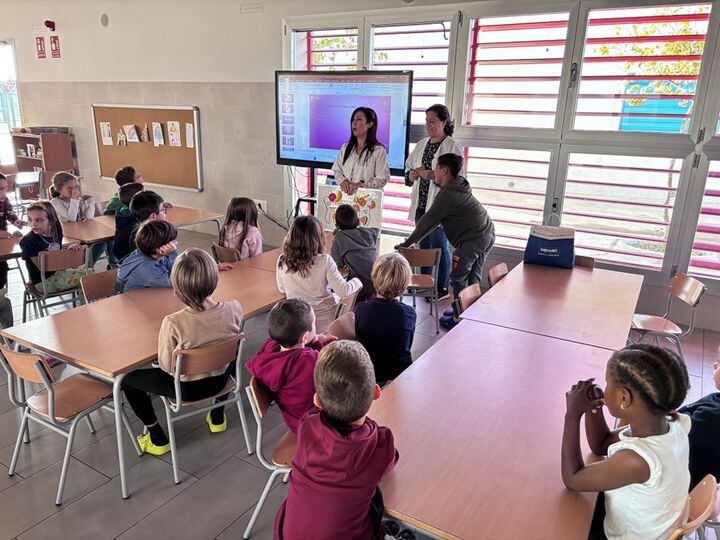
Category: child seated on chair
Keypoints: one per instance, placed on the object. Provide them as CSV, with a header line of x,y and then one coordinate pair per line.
x,y
144,205
151,263
240,231
204,321
645,477
71,206
705,433
341,454
126,175
46,235
286,361
355,247
306,271
385,326
7,214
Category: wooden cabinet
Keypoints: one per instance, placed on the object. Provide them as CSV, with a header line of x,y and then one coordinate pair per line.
x,y
48,152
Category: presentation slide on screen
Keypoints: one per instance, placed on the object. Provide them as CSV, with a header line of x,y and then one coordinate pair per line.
x,y
314,113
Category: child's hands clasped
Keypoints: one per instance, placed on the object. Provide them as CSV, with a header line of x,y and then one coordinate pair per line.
x,y
5,235
74,247
222,267
167,248
583,397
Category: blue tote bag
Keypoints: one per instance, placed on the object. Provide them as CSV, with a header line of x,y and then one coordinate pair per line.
x,y
551,246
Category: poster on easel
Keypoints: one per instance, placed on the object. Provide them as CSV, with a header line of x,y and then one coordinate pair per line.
x,y
366,202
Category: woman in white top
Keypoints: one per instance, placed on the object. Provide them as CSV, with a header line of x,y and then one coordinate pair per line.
x,y
305,271
645,477
419,174
362,161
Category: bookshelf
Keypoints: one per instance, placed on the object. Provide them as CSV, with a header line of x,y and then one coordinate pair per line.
x,y
40,150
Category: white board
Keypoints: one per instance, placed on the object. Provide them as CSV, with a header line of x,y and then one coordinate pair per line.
x,y
367,203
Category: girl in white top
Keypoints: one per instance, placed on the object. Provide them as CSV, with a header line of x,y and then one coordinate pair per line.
x,y
71,206
362,161
645,476
305,271
240,231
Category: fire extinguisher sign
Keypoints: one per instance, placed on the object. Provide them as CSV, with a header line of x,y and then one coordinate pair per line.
x,y
40,47
55,46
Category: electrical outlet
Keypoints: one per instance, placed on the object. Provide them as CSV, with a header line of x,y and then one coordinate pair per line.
x,y
262,205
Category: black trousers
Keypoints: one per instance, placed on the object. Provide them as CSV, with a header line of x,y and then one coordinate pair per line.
x,y
139,386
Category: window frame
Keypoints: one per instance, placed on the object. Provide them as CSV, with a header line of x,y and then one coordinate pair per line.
x,y
678,141
11,42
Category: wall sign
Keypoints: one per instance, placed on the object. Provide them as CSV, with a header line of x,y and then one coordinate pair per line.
x,y
55,46
40,47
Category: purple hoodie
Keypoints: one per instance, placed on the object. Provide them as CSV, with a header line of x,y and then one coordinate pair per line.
x,y
333,480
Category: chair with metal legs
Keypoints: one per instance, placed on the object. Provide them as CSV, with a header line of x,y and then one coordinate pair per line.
x,y
260,400
204,360
60,406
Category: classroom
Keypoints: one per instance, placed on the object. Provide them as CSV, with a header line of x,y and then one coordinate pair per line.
x,y
398,269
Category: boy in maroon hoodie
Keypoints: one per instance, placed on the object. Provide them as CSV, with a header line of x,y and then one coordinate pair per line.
x,y
286,361
341,454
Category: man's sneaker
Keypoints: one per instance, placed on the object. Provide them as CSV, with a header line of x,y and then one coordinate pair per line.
x,y
448,322
216,428
442,292
448,312
147,446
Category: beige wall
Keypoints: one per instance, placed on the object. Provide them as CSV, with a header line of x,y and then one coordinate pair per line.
x,y
236,125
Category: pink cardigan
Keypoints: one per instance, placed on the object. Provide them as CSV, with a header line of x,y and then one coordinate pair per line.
x,y
251,246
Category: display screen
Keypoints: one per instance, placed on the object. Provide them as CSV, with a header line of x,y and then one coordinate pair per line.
x,y
314,113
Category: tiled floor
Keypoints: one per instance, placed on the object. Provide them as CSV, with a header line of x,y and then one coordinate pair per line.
x,y
220,482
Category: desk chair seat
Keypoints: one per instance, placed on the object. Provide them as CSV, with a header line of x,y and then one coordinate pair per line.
x,y
421,281
655,324
701,506
260,400
229,387
52,261
60,406
72,396
285,450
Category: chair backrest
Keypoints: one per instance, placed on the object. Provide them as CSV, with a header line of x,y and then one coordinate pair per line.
x,y
584,260
496,273
23,365
207,358
61,260
343,327
701,501
469,295
261,396
421,257
99,285
225,254
345,305
686,288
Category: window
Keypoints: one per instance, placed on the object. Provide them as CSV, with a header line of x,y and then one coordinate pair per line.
x,y
325,50
705,254
422,48
621,206
514,70
640,68
9,102
511,185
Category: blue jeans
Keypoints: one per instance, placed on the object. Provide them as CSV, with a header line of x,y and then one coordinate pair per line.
x,y
437,239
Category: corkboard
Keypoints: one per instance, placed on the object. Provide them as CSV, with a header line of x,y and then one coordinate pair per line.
x,y
177,167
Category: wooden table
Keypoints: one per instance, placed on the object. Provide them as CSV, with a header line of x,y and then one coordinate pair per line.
x,y
265,261
586,305
113,336
478,421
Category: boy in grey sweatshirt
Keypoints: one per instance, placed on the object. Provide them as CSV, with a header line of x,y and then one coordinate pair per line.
x,y
466,223
355,248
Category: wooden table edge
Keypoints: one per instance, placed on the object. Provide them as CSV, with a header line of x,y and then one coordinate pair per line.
x,y
421,525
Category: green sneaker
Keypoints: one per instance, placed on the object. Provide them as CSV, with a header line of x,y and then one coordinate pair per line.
x,y
147,446
216,428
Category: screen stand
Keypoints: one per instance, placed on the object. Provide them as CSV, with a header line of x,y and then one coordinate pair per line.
x,y
311,197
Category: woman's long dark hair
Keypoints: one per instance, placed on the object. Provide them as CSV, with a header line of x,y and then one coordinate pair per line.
x,y
371,141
